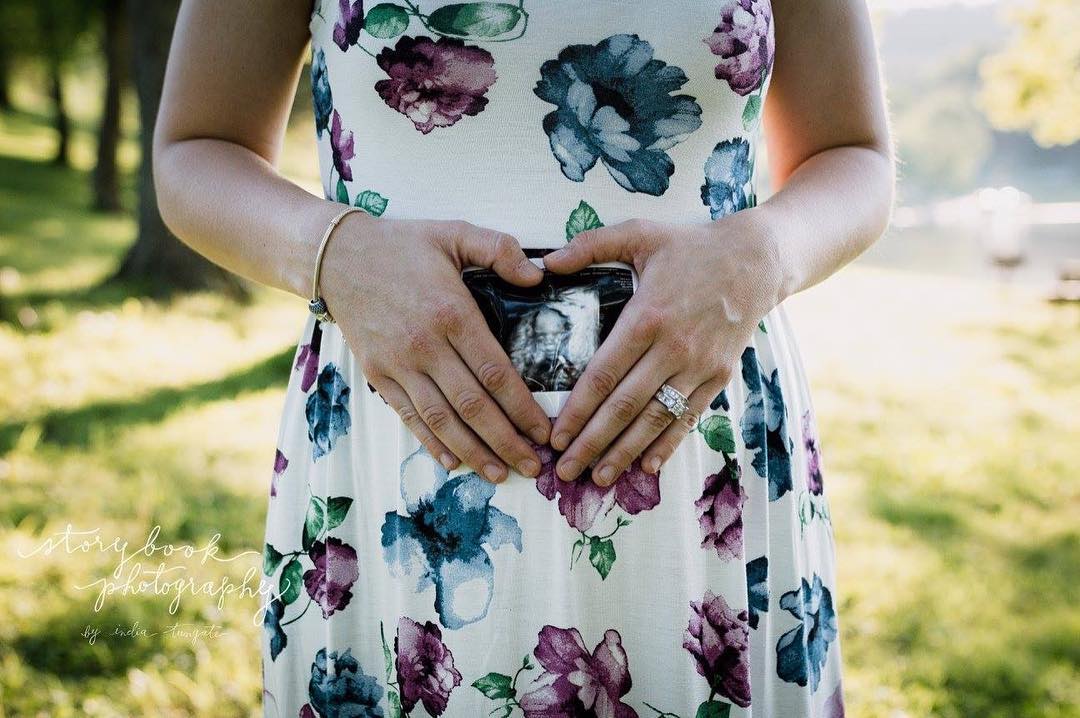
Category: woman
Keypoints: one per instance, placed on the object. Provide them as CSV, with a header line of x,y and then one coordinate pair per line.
x,y
437,544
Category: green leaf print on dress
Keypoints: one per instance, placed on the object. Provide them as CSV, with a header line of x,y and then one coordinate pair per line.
x,y
585,504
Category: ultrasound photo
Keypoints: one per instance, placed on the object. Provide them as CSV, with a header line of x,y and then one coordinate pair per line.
x,y
550,331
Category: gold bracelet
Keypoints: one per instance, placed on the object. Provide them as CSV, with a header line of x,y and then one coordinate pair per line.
x,y
317,305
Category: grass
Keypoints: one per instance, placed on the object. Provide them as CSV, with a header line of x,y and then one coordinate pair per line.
x,y
950,440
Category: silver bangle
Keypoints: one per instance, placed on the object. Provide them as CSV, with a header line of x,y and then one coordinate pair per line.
x,y
317,305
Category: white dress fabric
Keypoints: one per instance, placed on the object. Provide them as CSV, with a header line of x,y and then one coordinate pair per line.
x,y
401,589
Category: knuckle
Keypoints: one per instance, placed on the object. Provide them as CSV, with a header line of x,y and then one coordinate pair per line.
x,y
650,320
446,316
590,445
474,455
419,341
409,416
470,406
621,457
506,446
503,245
602,382
493,376
640,226
657,418
437,417
623,408
689,419
459,227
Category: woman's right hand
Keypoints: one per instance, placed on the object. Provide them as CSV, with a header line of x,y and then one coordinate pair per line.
x,y
394,288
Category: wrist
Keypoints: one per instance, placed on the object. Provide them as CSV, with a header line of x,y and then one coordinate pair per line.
x,y
774,248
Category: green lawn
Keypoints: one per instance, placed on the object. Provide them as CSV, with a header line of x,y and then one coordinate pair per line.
x,y
950,432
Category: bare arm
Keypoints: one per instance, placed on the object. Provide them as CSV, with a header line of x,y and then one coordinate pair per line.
x,y
830,152
231,76
705,287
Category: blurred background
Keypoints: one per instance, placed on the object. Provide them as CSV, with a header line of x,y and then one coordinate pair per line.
x,y
141,387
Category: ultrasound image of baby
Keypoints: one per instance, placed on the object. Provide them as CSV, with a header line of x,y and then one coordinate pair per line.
x,y
551,341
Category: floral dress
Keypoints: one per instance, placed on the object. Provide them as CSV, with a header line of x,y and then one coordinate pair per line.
x,y
397,588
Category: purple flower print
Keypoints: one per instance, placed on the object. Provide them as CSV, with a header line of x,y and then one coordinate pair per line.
x,y
347,29
280,464
425,666
583,503
334,574
814,481
435,82
575,682
745,43
308,359
718,639
720,512
341,143
834,706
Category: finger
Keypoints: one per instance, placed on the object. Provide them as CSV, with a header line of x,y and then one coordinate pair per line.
x,y
634,332
654,421
488,362
480,413
665,445
399,401
440,417
617,243
626,405
501,252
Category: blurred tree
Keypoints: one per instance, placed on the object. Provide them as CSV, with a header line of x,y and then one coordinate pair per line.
x,y
1034,83
49,31
158,259
114,48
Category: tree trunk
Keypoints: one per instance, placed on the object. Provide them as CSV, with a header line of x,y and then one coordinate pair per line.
x,y
5,75
106,177
158,260
60,118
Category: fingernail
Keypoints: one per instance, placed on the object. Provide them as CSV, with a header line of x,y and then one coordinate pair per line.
x,y
528,467
561,441
652,464
493,472
569,470
606,474
539,434
448,461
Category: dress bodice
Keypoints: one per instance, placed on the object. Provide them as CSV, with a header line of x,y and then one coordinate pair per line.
x,y
541,117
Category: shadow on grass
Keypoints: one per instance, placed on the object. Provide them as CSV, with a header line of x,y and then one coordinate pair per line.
x,y
47,210
75,427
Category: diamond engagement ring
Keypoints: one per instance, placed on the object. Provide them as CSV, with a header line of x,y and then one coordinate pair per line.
x,y
673,400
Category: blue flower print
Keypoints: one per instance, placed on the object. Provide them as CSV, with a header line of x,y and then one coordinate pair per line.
x,y
272,626
800,653
727,174
448,532
327,411
322,99
757,587
614,104
763,425
339,688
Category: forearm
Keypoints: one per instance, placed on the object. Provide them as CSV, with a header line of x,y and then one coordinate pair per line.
x,y
827,212
231,205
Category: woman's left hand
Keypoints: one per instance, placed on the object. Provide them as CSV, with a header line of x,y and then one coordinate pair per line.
x,y
702,289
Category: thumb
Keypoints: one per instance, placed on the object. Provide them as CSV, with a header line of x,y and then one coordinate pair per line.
x,y
499,252
592,246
